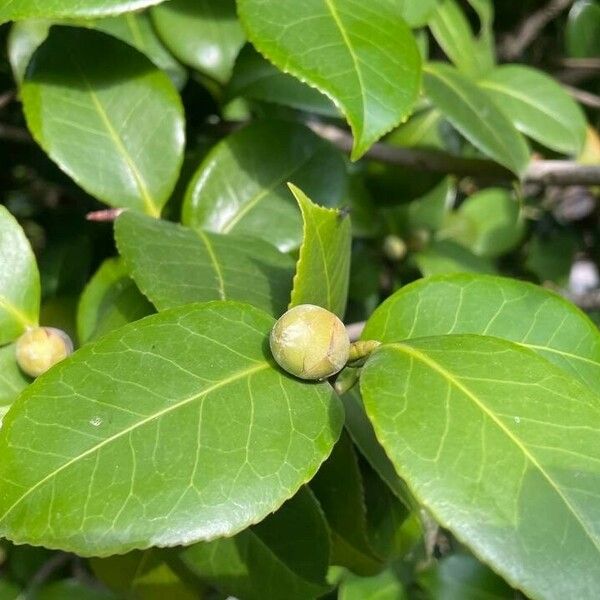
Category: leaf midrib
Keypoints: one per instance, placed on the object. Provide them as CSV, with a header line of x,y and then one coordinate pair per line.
x,y
19,315
157,415
453,380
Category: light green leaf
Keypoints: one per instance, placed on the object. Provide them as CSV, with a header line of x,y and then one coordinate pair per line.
x,y
19,280
256,78
461,576
416,14
203,34
174,265
497,443
109,301
363,56
241,185
444,257
385,586
323,269
284,557
88,98
12,379
50,9
339,489
452,31
538,106
583,29
23,40
506,308
489,223
174,429
476,116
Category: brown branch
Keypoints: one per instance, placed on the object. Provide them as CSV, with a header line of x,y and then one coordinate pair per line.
x,y
528,30
15,134
586,98
7,97
591,64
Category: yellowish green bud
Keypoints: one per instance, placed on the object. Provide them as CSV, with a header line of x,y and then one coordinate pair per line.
x,y
40,348
394,247
310,342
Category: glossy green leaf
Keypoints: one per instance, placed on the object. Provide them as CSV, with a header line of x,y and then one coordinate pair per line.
x,y
387,585
256,78
476,116
583,29
241,185
109,301
538,106
489,223
339,489
453,33
12,379
91,117
444,257
171,430
363,57
323,269
506,308
497,443
19,280
23,40
284,557
203,34
174,265
416,14
50,9
141,575
461,576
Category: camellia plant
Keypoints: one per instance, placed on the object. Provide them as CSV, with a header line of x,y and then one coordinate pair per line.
x,y
296,374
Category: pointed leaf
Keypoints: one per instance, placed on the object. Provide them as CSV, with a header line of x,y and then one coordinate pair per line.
x,y
416,14
19,280
241,185
476,116
88,98
538,106
171,430
363,57
497,443
506,308
323,269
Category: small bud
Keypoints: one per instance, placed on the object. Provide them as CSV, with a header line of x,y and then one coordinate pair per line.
x,y
394,248
419,239
310,342
40,348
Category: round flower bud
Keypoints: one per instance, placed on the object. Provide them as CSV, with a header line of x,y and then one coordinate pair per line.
x,y
310,342
394,247
40,348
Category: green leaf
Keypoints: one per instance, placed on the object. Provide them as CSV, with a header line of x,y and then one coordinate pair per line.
x,y
72,588
88,99
23,40
51,9
461,576
416,14
550,255
256,78
241,185
583,30
203,34
109,301
323,269
285,557
452,31
497,443
489,223
444,257
363,57
141,576
12,379
538,106
476,116
19,280
385,586
174,265
339,489
174,429
506,308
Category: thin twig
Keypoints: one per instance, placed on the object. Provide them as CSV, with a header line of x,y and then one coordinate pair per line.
x,y
592,64
586,98
15,134
528,30
54,563
7,97
104,216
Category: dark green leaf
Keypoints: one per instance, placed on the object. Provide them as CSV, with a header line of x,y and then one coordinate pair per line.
x,y
363,56
241,185
497,443
174,265
72,588
476,116
505,308
583,29
88,99
171,430
444,257
323,269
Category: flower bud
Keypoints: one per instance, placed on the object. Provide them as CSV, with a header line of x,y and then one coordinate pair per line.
x,y
310,342
40,348
394,248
